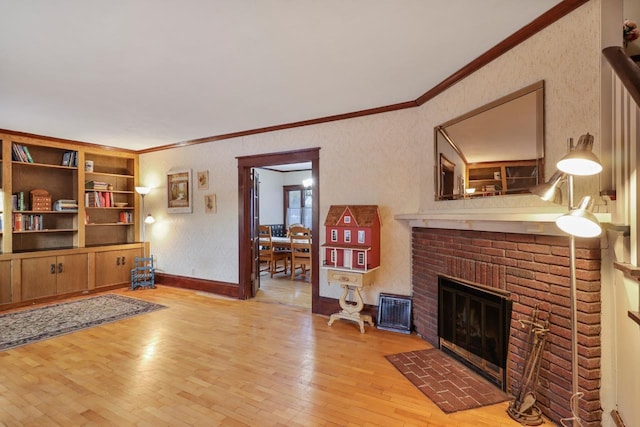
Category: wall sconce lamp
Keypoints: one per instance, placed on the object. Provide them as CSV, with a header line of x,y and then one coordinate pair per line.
x,y
578,222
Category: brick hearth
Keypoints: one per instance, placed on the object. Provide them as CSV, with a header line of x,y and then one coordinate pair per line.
x,y
535,270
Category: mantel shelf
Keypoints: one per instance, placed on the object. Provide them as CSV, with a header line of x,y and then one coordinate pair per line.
x,y
635,316
511,220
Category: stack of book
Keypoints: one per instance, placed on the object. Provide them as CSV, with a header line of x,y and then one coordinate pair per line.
x,y
19,201
28,222
66,205
70,158
99,199
96,185
21,154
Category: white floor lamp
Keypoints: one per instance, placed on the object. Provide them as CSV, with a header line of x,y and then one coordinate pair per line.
x,y
578,222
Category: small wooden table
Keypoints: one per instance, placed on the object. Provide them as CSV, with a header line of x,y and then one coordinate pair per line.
x,y
351,280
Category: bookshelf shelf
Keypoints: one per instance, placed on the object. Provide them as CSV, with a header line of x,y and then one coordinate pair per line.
x,y
46,230
42,165
110,224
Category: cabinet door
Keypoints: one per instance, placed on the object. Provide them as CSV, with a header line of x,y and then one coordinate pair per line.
x,y
113,267
5,282
38,277
72,273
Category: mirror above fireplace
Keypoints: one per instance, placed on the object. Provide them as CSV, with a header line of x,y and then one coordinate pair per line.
x,y
497,149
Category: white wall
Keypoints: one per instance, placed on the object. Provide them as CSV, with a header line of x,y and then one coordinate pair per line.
x,y
270,196
388,159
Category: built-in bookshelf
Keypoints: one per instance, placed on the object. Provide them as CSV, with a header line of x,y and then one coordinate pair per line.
x,y
37,169
52,244
109,199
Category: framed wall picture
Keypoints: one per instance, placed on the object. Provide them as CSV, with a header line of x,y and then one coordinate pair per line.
x,y
210,203
203,180
179,194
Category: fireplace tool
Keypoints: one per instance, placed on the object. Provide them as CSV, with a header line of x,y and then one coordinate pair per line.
x,y
523,408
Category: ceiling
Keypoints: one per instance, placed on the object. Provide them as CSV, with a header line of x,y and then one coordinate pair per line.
x,y
141,74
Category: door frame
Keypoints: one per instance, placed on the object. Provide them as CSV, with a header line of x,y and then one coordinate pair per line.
x,y
245,164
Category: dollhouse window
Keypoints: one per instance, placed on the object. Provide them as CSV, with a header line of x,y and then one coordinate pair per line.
x,y
334,255
360,236
347,219
334,235
361,258
347,236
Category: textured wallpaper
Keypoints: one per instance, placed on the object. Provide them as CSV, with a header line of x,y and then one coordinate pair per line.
x,y
384,159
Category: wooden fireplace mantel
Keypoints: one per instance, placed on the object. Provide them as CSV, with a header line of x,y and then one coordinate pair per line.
x,y
513,220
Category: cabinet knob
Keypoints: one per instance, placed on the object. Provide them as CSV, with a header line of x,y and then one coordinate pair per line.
x,y
52,269
118,261
60,267
123,260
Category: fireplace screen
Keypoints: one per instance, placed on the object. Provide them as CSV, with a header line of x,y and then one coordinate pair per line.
x,y
473,324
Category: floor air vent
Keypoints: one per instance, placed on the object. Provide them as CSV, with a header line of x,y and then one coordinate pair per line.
x,y
394,313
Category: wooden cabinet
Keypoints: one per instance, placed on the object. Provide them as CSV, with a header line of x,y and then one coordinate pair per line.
x,y
49,248
497,178
6,294
114,267
53,275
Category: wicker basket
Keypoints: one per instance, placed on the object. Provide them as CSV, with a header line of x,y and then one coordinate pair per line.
x,y
40,200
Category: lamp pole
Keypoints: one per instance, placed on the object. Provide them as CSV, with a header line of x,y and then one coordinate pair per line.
x,y
143,191
575,388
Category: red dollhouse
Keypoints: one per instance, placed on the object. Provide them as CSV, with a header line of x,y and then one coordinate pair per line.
x,y
352,240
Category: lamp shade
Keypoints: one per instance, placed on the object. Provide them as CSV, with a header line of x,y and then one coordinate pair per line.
x,y
580,160
550,190
580,222
143,190
582,163
149,219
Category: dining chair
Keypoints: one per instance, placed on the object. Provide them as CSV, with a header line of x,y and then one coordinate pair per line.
x,y
300,250
271,255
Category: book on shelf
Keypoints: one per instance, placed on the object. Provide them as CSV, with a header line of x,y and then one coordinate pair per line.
x,y
20,153
96,185
98,199
65,205
19,201
66,158
17,222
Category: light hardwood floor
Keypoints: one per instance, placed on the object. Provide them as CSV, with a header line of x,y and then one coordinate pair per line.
x,y
212,361
282,290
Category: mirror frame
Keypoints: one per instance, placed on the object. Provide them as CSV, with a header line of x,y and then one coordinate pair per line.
x,y
441,129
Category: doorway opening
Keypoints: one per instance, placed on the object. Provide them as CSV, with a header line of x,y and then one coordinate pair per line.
x,y
248,215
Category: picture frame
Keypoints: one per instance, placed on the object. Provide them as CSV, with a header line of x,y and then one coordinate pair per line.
x,y
179,194
210,203
203,180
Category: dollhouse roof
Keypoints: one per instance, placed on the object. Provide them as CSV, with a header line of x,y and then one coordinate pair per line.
x,y
362,215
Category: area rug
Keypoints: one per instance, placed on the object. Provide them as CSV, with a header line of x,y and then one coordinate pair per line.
x,y
445,381
36,324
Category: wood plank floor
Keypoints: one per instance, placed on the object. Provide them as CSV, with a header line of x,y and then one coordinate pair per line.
x,y
212,361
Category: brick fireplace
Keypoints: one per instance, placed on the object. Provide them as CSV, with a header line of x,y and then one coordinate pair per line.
x,y
534,269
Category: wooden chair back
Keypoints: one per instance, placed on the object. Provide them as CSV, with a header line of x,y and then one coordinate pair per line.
x,y
300,249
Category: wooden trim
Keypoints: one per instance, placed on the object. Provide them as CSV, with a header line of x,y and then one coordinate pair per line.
x,y
634,315
245,164
214,286
628,71
552,15
537,25
51,139
65,296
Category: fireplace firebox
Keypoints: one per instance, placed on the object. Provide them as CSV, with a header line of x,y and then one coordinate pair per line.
x,y
473,326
